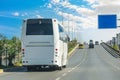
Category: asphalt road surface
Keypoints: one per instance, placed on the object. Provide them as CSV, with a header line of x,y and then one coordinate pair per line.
x,y
84,64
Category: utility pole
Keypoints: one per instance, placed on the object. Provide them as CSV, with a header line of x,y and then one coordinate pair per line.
x,y
68,24
62,17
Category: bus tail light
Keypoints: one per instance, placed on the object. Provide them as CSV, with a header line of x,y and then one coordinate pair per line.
x,y
22,49
23,52
56,49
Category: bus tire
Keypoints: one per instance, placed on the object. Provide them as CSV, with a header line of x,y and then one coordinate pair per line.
x,y
29,68
64,66
60,68
52,67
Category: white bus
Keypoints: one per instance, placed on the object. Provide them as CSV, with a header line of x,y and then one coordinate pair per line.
x,y
44,44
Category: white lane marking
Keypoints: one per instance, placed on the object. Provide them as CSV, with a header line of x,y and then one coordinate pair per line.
x,y
84,58
58,78
64,74
73,68
69,71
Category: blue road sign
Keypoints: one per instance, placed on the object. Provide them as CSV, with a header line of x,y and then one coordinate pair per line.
x,y
107,21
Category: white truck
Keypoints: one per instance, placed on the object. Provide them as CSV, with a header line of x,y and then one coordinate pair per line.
x,y
44,44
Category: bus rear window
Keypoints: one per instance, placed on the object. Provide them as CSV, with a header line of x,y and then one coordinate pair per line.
x,y
39,27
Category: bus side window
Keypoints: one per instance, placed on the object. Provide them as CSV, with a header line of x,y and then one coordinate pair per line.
x,y
60,28
63,36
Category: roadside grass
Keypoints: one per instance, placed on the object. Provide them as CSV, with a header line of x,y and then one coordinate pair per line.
x,y
71,45
115,47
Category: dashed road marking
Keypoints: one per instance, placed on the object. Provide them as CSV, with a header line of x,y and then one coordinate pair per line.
x,y
69,71
84,58
58,78
64,74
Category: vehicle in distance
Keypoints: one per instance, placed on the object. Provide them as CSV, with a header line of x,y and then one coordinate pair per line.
x,y
81,46
44,44
96,43
91,45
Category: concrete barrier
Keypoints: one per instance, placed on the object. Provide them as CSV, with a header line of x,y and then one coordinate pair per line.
x,y
1,70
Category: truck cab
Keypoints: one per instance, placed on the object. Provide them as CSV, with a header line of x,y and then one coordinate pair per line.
x,y
91,45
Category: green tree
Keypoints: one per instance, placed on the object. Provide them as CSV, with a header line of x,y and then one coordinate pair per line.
x,y
14,47
3,40
1,51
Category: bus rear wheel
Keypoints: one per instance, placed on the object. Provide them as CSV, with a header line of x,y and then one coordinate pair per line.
x,y
60,68
29,68
64,66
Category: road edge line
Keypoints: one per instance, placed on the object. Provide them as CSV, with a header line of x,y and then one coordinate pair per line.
x,y
70,53
1,70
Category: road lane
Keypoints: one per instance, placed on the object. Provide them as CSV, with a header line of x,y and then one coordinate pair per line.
x,y
84,64
74,60
95,67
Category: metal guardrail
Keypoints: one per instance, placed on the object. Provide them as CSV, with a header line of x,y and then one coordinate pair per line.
x,y
112,51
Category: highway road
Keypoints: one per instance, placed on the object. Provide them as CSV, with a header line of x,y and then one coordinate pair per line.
x,y
84,64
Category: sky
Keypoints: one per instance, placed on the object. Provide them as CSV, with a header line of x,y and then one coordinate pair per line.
x,y
80,16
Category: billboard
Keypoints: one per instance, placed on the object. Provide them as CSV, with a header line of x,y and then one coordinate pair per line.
x,y
107,21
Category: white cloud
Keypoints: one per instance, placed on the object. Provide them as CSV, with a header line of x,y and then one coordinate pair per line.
x,y
84,22
80,10
108,9
49,5
84,18
68,5
109,2
106,3
16,13
38,16
91,1
55,1
87,18
85,11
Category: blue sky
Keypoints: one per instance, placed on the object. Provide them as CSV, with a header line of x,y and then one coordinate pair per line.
x,y
80,13
13,12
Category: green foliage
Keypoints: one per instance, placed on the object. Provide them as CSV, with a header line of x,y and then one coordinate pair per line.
x,y
115,47
9,46
71,45
2,41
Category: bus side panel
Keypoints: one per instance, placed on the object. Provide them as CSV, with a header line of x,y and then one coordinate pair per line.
x,y
57,59
65,54
61,47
